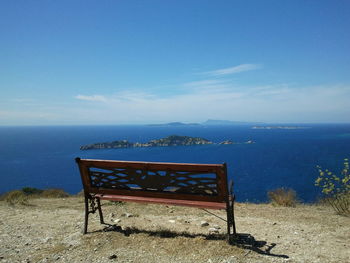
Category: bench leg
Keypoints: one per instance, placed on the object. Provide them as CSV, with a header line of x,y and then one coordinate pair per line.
x,y
231,226
233,215
86,214
100,210
90,207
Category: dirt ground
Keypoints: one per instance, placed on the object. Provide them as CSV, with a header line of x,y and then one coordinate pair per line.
x,y
50,230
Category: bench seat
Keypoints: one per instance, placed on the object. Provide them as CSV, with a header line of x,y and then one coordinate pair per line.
x,y
164,201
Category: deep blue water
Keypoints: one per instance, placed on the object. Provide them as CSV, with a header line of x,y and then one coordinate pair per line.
x,y
43,157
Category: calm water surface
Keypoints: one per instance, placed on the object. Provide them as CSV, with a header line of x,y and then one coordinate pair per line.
x,y
43,157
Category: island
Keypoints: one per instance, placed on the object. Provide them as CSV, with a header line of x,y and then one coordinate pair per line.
x,y
278,127
175,124
211,122
172,140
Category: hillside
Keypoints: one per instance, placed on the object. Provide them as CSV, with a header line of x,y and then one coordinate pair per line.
x,y
49,230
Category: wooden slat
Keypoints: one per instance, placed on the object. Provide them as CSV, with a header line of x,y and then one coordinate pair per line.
x,y
188,167
139,199
167,195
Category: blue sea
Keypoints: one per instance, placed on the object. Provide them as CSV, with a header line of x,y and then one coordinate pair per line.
x,y
43,156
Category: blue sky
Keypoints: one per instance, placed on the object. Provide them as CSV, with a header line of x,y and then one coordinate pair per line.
x,y
134,62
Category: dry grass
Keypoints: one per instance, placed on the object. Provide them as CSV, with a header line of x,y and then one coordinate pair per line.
x,y
340,203
80,193
23,196
15,197
54,193
283,197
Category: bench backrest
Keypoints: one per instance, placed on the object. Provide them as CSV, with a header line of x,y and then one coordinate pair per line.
x,y
198,182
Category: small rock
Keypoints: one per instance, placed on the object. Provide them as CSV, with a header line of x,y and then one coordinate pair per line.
x,y
125,228
172,221
213,230
112,256
217,226
117,220
46,240
204,223
274,224
127,215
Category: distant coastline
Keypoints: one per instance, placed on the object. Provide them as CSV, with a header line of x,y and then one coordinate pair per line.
x,y
208,122
172,140
279,127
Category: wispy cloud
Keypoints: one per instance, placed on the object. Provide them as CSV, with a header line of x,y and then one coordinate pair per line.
x,y
274,103
91,98
210,85
202,100
207,82
233,70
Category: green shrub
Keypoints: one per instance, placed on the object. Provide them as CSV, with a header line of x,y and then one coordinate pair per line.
x,y
31,191
54,193
283,197
16,197
336,189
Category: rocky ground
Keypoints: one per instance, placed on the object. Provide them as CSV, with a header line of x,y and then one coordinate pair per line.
x,y
49,230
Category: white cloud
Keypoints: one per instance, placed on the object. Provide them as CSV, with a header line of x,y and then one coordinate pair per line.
x,y
234,70
275,103
209,85
201,101
207,82
91,98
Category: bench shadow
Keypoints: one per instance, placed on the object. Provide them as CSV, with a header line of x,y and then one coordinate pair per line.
x,y
247,241
242,240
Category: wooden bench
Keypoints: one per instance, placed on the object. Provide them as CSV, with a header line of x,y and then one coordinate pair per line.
x,y
194,185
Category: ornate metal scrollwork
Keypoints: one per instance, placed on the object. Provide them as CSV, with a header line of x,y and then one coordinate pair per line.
x,y
92,204
160,181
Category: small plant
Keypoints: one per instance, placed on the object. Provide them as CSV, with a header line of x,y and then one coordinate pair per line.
x,y
283,197
336,189
16,197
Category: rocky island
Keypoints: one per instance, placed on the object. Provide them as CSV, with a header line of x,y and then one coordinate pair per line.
x,y
172,140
